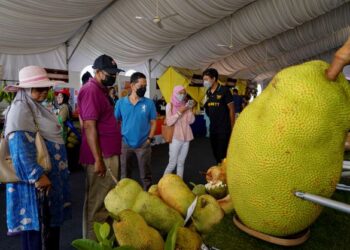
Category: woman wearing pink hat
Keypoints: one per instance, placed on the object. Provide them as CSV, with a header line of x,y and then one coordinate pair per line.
x,y
38,192
179,114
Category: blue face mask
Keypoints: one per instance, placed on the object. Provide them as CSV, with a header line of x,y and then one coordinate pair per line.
x,y
207,84
180,97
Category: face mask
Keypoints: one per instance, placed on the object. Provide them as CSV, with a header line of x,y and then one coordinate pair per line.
x,y
109,80
140,92
207,84
180,97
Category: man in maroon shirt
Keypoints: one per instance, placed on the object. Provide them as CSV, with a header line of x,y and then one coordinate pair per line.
x,y
101,141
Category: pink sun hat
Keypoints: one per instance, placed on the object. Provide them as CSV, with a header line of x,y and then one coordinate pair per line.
x,y
32,77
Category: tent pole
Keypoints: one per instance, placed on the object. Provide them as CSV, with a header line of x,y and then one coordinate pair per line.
x,y
161,59
76,46
89,24
67,59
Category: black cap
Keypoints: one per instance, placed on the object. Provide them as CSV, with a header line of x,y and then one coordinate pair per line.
x,y
107,64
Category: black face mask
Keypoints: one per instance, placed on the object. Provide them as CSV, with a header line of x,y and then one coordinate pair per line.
x,y
140,92
109,80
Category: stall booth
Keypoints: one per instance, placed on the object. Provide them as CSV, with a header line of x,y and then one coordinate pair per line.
x,y
192,82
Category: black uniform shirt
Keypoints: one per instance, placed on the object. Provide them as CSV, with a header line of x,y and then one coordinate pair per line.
x,y
217,110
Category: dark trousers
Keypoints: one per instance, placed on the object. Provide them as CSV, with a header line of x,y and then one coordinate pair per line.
x,y
143,155
31,240
219,144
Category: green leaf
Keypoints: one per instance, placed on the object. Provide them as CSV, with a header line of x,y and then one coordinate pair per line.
x,y
86,244
97,227
104,231
193,184
170,242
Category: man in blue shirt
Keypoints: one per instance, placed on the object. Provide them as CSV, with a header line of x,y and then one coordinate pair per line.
x,y
138,116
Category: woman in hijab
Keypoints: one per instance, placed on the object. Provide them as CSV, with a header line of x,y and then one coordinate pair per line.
x,y
39,203
179,114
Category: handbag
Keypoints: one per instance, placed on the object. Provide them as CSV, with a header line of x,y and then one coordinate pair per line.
x,y
168,131
7,170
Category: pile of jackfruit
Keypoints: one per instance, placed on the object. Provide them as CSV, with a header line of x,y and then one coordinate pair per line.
x,y
216,186
143,219
72,139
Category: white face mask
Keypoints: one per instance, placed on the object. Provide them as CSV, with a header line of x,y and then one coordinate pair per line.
x,y
207,84
180,97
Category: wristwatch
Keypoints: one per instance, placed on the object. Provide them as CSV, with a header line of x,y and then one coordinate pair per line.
x,y
151,139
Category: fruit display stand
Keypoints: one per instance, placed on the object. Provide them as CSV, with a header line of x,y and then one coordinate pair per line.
x,y
330,231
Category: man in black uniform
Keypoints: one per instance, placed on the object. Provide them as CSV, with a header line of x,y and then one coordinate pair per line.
x,y
219,108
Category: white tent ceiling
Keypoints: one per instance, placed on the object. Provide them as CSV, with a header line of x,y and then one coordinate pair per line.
x,y
267,34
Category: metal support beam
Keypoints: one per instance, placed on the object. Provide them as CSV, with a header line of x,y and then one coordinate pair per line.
x,y
89,24
161,59
67,58
76,46
149,68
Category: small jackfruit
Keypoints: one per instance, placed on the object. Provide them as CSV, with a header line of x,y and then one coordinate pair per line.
x,y
187,239
175,193
130,229
156,213
122,196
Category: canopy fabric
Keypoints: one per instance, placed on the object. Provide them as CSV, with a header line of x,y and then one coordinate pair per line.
x,y
266,34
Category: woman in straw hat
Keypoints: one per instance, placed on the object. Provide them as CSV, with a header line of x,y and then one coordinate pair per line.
x,y
38,204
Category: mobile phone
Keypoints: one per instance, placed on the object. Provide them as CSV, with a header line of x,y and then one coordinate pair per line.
x,y
190,104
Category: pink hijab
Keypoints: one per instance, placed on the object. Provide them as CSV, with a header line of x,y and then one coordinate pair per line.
x,y
176,104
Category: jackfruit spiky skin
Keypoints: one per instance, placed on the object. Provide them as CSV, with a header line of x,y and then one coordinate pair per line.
x,y
187,239
131,230
122,196
156,213
291,138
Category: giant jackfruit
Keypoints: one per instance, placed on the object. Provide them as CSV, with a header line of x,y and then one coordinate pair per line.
x,y
291,138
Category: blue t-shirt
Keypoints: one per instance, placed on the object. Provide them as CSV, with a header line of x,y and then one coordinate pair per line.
x,y
135,119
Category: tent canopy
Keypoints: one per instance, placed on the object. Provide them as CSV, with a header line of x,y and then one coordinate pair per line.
x,y
265,35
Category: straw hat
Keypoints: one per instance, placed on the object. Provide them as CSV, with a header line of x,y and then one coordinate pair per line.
x,y
32,77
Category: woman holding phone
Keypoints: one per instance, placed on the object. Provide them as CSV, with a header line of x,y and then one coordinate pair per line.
x,y
179,114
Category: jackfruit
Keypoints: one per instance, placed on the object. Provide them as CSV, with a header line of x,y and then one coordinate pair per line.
x,y
187,239
198,189
122,196
216,173
175,193
226,204
130,229
207,213
155,212
154,190
218,189
290,138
